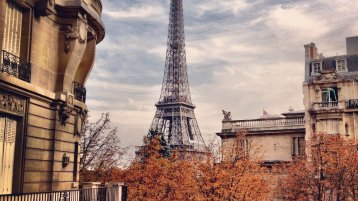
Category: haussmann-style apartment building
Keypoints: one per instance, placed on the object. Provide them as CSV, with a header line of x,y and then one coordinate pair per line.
x,y
47,52
330,90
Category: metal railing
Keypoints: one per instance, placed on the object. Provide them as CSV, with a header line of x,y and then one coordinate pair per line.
x,y
13,65
92,194
352,104
79,91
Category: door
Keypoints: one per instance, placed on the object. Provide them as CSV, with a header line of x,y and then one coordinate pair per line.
x,y
7,153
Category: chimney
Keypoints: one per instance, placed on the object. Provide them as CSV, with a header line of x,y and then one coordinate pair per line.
x,y
310,54
311,51
352,45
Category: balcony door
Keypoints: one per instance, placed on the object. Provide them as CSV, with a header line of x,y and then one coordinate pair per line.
x,y
7,153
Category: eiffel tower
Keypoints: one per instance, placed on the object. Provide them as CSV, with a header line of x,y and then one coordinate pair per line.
x,y
175,116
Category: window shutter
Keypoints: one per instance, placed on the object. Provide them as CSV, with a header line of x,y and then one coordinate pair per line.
x,y
2,136
8,128
12,29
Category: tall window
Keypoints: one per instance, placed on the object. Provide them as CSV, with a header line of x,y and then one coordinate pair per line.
x,y
75,162
298,146
12,29
7,153
14,48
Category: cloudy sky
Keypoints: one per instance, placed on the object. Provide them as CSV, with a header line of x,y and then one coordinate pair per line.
x,y
243,56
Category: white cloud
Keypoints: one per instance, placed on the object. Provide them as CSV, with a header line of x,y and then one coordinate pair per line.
x,y
233,6
297,21
138,12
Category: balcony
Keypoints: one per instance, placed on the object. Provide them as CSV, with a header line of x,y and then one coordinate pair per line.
x,y
13,65
266,125
328,105
79,91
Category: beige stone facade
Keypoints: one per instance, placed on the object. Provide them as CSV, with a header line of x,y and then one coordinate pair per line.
x,y
277,138
47,52
331,91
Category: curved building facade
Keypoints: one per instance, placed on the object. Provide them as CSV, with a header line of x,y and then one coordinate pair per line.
x,y
47,52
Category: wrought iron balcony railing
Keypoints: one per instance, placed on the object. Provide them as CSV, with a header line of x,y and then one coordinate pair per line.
x,y
79,91
13,65
352,104
98,194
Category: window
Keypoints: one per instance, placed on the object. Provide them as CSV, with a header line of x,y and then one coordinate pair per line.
x,y
14,41
7,153
298,146
329,94
316,68
12,28
341,65
346,129
75,162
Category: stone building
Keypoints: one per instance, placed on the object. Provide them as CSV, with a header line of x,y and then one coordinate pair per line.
x,y
279,138
331,91
47,52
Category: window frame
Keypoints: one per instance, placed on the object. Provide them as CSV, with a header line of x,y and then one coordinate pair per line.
x,y
344,61
329,90
316,71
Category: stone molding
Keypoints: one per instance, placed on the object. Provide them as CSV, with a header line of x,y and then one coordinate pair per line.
x,y
12,103
328,76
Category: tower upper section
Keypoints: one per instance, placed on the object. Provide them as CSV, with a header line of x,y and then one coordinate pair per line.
x,y
175,86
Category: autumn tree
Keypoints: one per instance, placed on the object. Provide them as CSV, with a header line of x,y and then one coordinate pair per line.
x,y
329,173
159,176
239,176
100,149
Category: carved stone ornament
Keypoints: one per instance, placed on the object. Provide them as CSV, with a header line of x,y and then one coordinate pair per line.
x,y
65,160
328,75
12,103
79,32
227,115
69,36
82,29
64,113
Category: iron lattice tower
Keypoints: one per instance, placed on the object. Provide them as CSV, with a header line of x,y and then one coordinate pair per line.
x,y
175,116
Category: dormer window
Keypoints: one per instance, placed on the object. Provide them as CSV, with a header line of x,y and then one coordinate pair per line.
x,y
316,68
341,65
